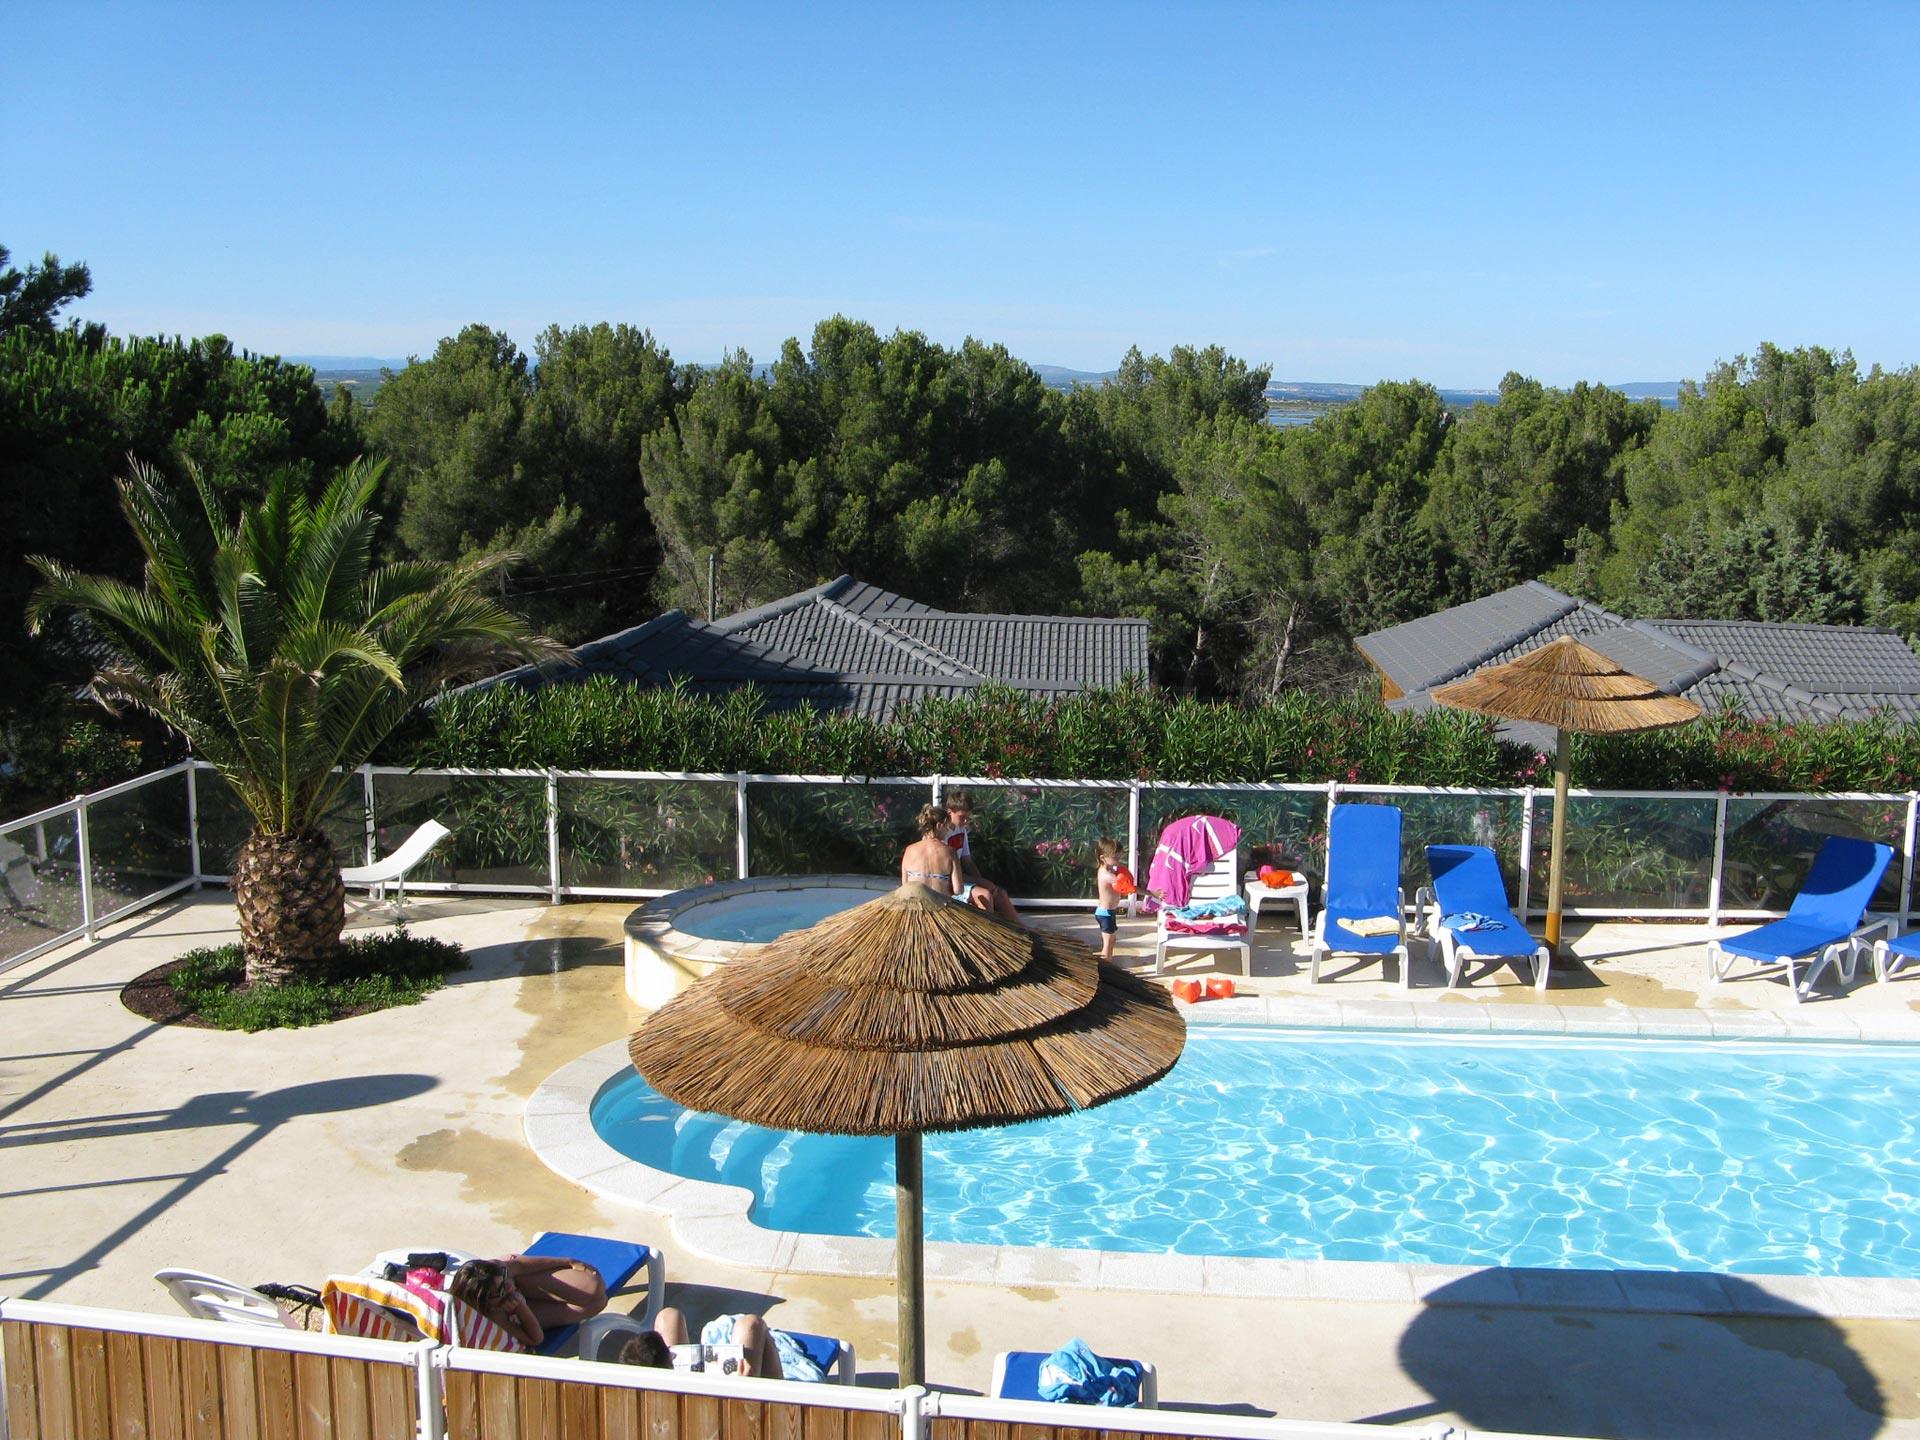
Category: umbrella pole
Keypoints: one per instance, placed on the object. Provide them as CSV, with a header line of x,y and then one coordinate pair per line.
x,y
1556,870
909,1234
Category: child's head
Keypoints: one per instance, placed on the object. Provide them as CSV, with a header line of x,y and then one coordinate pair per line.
x,y
932,821
959,806
1108,849
648,1349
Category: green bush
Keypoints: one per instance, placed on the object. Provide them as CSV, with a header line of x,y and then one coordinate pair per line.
x,y
373,972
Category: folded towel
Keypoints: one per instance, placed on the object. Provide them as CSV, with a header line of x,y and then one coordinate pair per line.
x,y
1075,1374
1371,925
1229,907
1472,920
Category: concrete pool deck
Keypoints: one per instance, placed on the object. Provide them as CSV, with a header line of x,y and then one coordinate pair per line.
x,y
290,1155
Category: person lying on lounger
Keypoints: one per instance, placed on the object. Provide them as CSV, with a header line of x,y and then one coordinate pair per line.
x,y
769,1353
528,1295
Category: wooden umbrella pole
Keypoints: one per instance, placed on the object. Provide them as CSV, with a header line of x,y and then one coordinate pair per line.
x,y
1556,870
908,1232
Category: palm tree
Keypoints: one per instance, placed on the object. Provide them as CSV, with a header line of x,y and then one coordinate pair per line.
x,y
283,655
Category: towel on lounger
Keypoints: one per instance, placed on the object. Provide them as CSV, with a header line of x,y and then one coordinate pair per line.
x,y
1075,1374
1472,920
1372,925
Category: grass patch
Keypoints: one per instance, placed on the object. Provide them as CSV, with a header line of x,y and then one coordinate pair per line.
x,y
373,972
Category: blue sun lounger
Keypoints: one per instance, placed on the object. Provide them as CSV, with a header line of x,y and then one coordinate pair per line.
x,y
1016,1376
1467,914
617,1262
1363,884
603,1337
1890,954
1823,923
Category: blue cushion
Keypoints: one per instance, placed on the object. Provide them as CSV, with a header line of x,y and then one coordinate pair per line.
x,y
1908,944
615,1260
1022,1380
1784,937
823,1350
1509,940
1363,860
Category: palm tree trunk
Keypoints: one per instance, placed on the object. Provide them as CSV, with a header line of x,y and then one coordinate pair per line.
x,y
292,905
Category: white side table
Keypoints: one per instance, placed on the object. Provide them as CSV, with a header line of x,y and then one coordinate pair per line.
x,y
1257,892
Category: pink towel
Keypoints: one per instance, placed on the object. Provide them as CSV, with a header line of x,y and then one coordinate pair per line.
x,y
1186,848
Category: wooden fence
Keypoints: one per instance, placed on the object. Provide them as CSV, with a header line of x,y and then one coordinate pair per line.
x,y
76,1374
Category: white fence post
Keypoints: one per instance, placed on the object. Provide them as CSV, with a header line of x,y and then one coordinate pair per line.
x,y
87,908
1133,841
743,855
193,819
553,837
1526,854
1906,873
429,1356
366,802
913,1415
1719,858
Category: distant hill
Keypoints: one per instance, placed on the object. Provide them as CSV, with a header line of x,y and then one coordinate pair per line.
x,y
1061,378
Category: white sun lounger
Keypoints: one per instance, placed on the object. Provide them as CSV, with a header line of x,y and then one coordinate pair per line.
x,y
395,868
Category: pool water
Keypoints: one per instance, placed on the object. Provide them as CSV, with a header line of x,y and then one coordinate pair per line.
x,y
1747,1157
758,917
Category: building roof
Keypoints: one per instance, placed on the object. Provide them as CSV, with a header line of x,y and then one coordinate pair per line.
x,y
1772,672
847,645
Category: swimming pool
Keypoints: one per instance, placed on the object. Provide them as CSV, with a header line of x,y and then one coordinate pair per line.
x,y
758,916
1750,1157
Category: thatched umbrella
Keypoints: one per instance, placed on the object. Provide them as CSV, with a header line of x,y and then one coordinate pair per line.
x,y
904,1015
1570,687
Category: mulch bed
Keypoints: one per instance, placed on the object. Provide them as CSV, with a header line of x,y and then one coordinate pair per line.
x,y
151,998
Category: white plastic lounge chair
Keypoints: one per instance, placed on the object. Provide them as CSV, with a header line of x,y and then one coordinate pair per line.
x,y
1363,883
1469,891
1824,922
395,868
1016,1376
1890,954
603,1337
1216,882
208,1297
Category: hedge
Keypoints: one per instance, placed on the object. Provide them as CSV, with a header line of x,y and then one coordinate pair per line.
x,y
1129,732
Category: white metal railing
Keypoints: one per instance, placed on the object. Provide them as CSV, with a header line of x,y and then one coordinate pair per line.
x,y
26,852
914,1408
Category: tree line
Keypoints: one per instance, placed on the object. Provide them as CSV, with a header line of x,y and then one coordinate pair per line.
x,y
1783,487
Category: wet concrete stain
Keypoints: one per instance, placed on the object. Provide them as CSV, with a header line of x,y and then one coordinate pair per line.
x,y
573,983
500,1178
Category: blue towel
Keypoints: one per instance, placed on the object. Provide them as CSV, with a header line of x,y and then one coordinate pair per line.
x,y
1227,905
1472,920
1075,1374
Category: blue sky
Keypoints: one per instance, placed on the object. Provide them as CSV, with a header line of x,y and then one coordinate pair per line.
x,y
1344,192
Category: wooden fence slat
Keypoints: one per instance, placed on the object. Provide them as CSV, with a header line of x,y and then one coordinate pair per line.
x,y
699,1417
539,1406
580,1412
945,1427
871,1425
784,1422
740,1420
313,1398
620,1414
53,1379
660,1417
1031,1432
824,1423
239,1395
200,1388
461,1395
23,1415
160,1362
390,1391
92,1398
126,1379
348,1377
499,1409
273,1371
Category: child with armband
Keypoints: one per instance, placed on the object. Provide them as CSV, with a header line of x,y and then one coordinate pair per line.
x,y
1113,883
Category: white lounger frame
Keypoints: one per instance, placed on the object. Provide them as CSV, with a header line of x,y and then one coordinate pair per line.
x,y
1456,947
1844,953
1216,882
1322,949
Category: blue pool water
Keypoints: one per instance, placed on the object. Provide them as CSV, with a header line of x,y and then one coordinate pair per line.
x,y
767,914
1636,1154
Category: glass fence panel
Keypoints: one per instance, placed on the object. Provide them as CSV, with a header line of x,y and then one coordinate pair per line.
x,y
39,884
845,829
1650,852
1283,828
1037,842
1771,843
140,841
499,826
225,824
646,834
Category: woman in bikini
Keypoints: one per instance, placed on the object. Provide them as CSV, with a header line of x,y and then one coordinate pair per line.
x,y
930,861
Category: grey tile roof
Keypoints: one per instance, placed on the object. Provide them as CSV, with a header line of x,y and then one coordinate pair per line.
x,y
1784,672
847,645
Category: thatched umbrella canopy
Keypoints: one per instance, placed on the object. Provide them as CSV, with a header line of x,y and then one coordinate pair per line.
x,y
1570,687
907,1014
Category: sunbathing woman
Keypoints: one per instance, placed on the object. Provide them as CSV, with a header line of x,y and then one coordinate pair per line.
x,y
930,861
528,1295
769,1353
